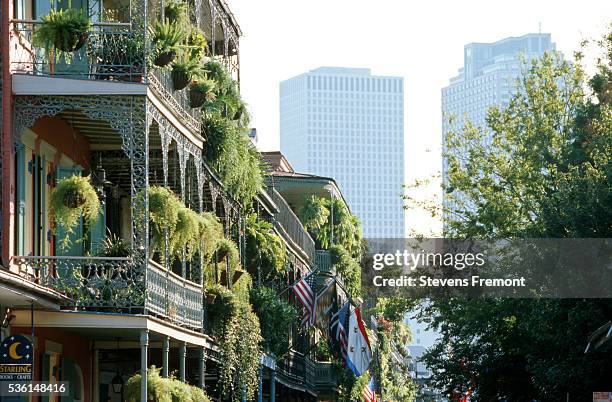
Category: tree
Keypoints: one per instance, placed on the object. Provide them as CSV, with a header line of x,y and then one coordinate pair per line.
x,y
546,172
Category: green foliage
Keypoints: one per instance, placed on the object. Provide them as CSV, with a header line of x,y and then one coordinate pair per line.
x,y
185,68
546,173
186,235
276,317
226,248
265,251
176,12
63,30
196,44
233,156
240,352
316,216
72,199
211,231
167,39
393,308
348,269
161,389
113,246
228,102
164,206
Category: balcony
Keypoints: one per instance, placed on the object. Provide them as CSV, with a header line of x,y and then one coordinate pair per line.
x,y
323,261
325,377
110,53
115,285
287,221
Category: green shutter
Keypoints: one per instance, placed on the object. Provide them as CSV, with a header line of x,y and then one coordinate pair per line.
x,y
20,160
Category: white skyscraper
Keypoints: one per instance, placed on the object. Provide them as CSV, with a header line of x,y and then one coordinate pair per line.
x,y
348,124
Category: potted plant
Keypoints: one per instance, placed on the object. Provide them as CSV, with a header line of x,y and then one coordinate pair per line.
x,y
65,30
184,71
176,11
168,41
73,197
163,212
200,92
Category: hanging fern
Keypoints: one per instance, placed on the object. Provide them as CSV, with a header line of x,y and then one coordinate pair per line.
x,y
186,235
73,197
164,206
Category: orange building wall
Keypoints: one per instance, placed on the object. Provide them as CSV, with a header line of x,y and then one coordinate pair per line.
x,y
73,346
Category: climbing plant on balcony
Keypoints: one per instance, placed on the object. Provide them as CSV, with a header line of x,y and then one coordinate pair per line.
x,y
347,268
72,199
316,216
63,30
167,39
265,252
164,206
232,155
276,317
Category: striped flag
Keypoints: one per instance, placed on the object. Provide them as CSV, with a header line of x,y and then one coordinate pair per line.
x,y
339,326
306,291
369,395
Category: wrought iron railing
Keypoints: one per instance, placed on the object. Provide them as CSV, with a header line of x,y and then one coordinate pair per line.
x,y
110,52
115,284
291,224
323,261
325,375
160,82
173,297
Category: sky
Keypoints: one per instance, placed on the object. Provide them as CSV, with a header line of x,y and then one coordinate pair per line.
x,y
420,41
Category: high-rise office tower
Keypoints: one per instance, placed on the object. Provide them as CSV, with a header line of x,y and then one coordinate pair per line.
x,y
349,124
487,78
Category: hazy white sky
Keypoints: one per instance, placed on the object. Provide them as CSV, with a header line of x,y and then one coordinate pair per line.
x,y
421,41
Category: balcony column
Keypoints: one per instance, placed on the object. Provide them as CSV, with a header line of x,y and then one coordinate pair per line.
x,y
144,346
165,353
202,368
272,385
182,357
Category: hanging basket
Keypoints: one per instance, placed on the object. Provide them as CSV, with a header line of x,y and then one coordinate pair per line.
x,y
196,99
180,79
164,58
74,198
210,298
71,41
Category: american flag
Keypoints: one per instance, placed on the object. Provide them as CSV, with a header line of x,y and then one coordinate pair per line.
x,y
306,291
369,395
339,321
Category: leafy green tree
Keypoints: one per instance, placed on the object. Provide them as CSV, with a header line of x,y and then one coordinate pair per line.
x,y
545,172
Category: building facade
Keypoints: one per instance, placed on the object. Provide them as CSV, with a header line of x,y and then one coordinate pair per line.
x,y
349,124
95,319
487,78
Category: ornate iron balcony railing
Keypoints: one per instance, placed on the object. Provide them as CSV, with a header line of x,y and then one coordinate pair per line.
x,y
115,285
111,53
291,224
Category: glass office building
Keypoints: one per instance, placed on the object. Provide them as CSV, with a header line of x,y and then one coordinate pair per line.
x,y
348,124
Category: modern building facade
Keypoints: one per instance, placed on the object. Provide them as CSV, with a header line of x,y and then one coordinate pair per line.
x,y
349,124
487,78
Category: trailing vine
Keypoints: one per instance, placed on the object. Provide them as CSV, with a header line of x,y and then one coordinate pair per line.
x,y
348,269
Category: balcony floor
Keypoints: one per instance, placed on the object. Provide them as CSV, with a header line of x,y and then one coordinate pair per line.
x,y
24,84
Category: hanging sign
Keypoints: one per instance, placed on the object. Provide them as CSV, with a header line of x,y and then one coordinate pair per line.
x,y
16,356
